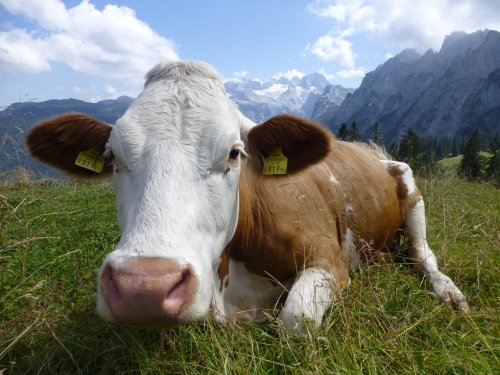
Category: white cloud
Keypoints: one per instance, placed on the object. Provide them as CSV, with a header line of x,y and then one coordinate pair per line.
x,y
75,89
351,73
19,51
238,76
347,12
332,48
110,90
241,74
49,14
328,76
289,74
406,23
111,43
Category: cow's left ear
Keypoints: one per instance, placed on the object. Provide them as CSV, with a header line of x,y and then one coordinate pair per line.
x,y
301,141
73,143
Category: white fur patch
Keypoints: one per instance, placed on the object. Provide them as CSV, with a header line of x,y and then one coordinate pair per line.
x,y
333,179
426,262
350,251
247,296
406,174
309,298
176,197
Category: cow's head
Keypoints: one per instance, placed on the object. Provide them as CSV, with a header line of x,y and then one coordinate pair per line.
x,y
176,157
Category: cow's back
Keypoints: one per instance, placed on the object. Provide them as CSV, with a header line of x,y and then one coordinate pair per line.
x,y
302,220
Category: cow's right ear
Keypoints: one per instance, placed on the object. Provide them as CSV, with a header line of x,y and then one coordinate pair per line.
x,y
302,142
59,141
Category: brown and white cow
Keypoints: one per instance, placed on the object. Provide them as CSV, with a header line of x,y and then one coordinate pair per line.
x,y
203,229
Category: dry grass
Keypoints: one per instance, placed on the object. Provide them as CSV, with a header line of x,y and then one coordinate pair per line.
x,y
53,239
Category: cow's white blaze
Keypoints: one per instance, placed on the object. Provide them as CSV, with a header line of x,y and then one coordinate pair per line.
x,y
176,186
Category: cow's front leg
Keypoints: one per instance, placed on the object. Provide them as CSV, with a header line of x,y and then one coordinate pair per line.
x,y
243,295
308,299
426,262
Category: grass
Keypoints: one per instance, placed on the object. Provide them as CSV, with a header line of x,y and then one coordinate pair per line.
x,y
452,163
53,239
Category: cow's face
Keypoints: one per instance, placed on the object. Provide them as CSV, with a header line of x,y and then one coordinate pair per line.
x,y
176,167
175,157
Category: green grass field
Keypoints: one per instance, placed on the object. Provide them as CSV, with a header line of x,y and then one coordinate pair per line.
x,y
452,163
53,239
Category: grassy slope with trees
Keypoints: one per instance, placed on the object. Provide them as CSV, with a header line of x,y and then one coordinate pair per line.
x,y
53,239
478,158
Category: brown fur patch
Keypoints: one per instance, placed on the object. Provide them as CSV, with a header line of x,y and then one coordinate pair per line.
x,y
223,270
303,142
59,140
300,220
406,200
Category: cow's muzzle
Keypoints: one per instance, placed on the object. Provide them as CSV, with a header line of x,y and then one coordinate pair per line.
x,y
147,291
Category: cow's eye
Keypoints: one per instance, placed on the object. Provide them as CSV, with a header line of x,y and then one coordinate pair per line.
x,y
233,155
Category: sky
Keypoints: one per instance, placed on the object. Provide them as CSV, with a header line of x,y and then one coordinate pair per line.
x,y
101,49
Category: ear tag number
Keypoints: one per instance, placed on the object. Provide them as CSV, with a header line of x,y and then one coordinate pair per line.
x,y
275,163
90,159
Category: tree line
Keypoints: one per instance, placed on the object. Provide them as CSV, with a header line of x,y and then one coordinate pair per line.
x,y
480,158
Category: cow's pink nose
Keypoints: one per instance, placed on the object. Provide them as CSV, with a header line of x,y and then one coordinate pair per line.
x,y
147,290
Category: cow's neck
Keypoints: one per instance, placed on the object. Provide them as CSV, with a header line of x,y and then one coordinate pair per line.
x,y
258,241
250,217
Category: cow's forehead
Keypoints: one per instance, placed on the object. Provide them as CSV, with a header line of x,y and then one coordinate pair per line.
x,y
182,102
182,70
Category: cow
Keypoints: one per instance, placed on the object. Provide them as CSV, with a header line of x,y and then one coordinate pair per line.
x,y
221,216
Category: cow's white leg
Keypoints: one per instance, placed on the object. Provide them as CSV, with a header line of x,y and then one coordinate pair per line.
x,y
310,296
243,295
425,260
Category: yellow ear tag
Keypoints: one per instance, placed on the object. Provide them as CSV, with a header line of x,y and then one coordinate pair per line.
x,y
90,159
275,163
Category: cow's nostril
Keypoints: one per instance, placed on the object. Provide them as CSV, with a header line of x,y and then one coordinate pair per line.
x,y
177,295
109,285
147,290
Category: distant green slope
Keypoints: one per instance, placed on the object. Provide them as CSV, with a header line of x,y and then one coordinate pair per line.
x,y
452,163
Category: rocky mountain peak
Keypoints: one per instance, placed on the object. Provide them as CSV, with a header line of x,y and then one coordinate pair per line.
x,y
407,56
437,94
296,95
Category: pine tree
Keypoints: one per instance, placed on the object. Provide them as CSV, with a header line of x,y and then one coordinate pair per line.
x,y
343,132
493,168
409,149
378,136
354,135
470,166
494,144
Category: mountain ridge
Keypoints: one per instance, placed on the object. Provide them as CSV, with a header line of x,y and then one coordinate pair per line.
x,y
438,94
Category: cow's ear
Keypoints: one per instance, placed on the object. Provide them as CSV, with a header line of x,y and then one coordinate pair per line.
x,y
61,140
302,142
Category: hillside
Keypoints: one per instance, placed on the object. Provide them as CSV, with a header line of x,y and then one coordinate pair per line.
x,y
18,118
438,94
309,96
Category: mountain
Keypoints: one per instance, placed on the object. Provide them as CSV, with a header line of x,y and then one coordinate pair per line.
x,y
437,94
18,118
298,95
257,100
328,103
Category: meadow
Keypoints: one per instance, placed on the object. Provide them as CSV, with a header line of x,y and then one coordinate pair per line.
x,y
53,238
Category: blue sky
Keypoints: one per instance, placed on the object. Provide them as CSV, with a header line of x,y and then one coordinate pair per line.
x,y
100,49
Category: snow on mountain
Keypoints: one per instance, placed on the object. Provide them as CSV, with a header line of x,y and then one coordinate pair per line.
x,y
261,100
274,91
